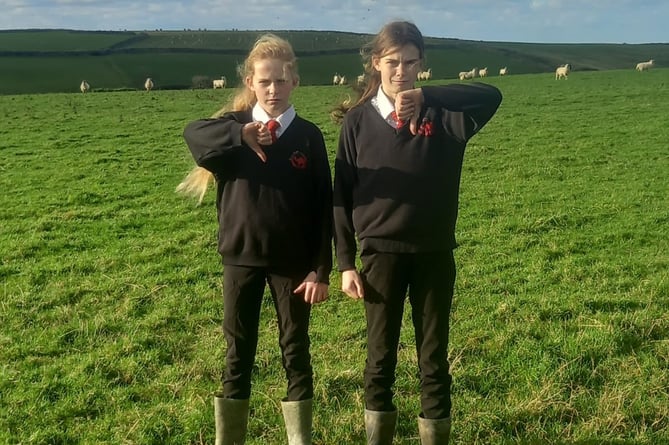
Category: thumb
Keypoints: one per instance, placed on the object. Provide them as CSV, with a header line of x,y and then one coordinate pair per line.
x,y
413,124
250,137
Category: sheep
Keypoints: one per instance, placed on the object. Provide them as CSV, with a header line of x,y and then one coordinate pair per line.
x,y
503,71
361,79
562,72
148,84
645,66
467,74
483,72
342,80
425,75
336,79
219,83
84,87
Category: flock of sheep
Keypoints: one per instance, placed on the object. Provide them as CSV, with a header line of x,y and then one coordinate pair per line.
x,y
561,72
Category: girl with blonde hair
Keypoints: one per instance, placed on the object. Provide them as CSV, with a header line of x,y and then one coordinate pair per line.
x,y
274,204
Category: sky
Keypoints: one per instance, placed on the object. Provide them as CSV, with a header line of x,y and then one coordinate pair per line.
x,y
538,21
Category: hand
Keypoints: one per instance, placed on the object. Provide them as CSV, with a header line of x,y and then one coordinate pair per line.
x,y
351,284
255,134
314,292
408,105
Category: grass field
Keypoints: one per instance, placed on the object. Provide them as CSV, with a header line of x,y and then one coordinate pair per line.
x,y
110,304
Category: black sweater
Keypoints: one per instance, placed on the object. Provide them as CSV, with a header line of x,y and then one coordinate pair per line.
x,y
276,214
399,192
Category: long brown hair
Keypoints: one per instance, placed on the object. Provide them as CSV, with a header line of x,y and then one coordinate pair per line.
x,y
392,36
268,46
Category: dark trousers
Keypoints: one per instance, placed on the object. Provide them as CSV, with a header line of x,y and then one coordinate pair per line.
x,y
243,289
429,279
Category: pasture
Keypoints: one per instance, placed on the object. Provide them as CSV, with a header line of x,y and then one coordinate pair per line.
x,y
110,308
51,61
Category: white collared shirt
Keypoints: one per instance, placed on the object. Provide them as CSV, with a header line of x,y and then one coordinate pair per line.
x,y
284,120
384,106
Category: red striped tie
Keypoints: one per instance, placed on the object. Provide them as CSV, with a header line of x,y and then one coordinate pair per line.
x,y
273,125
398,122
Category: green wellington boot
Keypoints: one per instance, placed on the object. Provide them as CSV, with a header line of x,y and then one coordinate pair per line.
x,y
231,419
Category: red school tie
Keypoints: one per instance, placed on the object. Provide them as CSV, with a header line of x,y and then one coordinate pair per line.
x,y
273,125
398,122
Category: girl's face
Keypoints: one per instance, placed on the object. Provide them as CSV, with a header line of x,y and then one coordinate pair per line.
x,y
398,69
272,85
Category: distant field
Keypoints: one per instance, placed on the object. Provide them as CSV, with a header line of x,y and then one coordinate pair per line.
x,y
35,61
60,40
110,305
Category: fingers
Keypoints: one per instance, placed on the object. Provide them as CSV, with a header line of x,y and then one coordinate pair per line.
x,y
315,295
408,105
351,284
313,292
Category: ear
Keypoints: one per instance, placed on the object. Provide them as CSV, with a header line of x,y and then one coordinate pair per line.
x,y
248,81
376,63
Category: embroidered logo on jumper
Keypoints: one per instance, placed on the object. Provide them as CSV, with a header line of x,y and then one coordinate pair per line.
x,y
426,128
298,160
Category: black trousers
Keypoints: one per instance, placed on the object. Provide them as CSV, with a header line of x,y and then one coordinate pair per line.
x,y
429,279
243,289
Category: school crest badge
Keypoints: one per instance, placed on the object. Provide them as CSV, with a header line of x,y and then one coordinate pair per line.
x,y
298,160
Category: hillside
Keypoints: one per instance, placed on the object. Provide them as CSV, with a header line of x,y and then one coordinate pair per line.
x,y
36,61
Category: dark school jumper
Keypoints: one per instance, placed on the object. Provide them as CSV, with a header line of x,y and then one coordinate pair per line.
x,y
398,193
275,226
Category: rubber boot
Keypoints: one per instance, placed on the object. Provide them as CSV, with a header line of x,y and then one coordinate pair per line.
x,y
231,419
297,417
380,426
434,431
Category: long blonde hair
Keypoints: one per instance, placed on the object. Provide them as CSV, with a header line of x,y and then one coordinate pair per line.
x,y
392,36
268,46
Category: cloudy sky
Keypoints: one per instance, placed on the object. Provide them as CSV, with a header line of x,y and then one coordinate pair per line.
x,y
561,21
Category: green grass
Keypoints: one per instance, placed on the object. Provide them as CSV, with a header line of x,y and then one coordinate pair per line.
x,y
110,306
60,40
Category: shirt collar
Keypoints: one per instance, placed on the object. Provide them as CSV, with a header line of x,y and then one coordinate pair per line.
x,y
285,119
384,104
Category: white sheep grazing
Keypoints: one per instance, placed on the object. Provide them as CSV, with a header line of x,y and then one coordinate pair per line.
x,y
336,79
562,72
468,74
84,87
503,71
219,83
483,72
148,85
645,66
424,75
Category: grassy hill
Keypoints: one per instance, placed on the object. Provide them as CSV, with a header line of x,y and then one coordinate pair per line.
x,y
40,61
